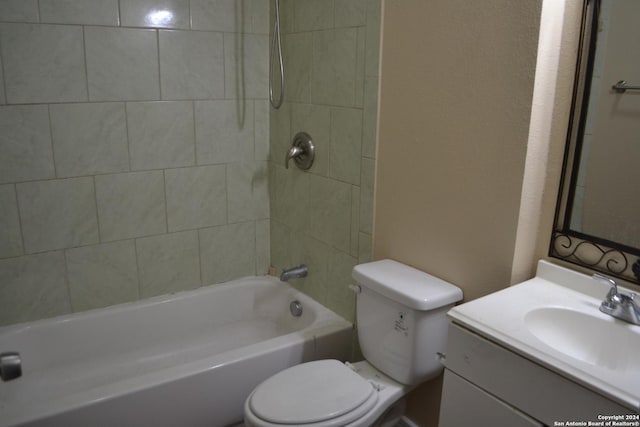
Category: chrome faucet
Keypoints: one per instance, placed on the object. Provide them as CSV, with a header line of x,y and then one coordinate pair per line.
x,y
618,304
294,272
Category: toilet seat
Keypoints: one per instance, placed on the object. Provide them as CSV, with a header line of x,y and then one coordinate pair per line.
x,y
321,393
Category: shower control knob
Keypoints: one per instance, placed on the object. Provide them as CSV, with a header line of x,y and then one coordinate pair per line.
x,y
302,151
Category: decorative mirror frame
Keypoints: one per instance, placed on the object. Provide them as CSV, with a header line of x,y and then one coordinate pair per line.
x,y
608,257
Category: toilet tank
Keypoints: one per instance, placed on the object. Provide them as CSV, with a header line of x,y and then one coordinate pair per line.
x,y
401,315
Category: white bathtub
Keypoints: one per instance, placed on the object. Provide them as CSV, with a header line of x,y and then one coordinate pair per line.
x,y
188,359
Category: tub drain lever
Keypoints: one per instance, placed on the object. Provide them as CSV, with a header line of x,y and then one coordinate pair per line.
x,y
10,366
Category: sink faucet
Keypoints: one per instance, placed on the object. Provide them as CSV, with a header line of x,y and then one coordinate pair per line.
x,y
617,304
292,273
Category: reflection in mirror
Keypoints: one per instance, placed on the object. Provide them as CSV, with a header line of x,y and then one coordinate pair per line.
x,y
598,214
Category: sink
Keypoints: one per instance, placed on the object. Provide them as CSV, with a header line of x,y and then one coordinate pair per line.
x,y
554,320
599,341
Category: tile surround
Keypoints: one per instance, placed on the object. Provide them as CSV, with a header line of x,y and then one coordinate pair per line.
x,y
324,216
120,115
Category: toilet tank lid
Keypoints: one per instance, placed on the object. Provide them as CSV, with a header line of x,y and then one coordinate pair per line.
x,y
406,285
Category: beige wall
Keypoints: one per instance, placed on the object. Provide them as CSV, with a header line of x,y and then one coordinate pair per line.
x,y
453,129
457,81
477,206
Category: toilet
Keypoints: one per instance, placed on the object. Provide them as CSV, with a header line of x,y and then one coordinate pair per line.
x,y
402,330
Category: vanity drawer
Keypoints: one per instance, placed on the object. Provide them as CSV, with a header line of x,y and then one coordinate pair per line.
x,y
526,385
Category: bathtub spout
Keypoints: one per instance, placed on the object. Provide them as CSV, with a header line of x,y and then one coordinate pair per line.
x,y
295,272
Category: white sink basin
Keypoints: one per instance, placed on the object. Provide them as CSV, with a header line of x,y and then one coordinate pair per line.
x,y
554,320
596,340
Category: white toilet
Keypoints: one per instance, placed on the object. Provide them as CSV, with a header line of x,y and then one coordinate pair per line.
x,y
402,329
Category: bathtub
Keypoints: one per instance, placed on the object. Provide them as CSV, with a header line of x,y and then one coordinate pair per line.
x,y
182,360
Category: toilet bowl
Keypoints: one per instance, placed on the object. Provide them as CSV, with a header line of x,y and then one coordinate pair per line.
x,y
402,328
327,393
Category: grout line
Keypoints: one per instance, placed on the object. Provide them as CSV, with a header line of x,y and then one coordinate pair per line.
x,y
138,272
159,70
195,133
166,207
67,281
126,128
86,66
95,200
51,142
15,195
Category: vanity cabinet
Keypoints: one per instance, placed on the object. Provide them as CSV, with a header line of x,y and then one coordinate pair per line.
x,y
487,384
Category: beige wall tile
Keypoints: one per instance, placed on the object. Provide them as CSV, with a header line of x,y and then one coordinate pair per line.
x,y
87,12
280,136
340,298
131,205
3,99
168,263
42,275
227,252
261,124
350,13
161,134
154,13
43,63
57,214
298,62
122,64
246,57
96,142
102,275
224,132
263,246
221,15
329,216
346,144
10,233
366,195
191,64
19,11
247,191
370,118
196,197
309,15
334,67
25,143
290,197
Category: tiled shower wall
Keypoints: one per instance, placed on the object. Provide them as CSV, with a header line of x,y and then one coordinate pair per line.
x,y
323,217
133,150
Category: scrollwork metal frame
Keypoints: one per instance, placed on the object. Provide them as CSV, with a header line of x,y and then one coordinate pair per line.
x,y
611,258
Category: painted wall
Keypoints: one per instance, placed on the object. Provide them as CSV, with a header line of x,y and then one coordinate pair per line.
x,y
133,150
455,104
323,217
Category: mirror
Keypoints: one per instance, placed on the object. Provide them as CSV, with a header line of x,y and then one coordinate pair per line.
x,y
598,213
